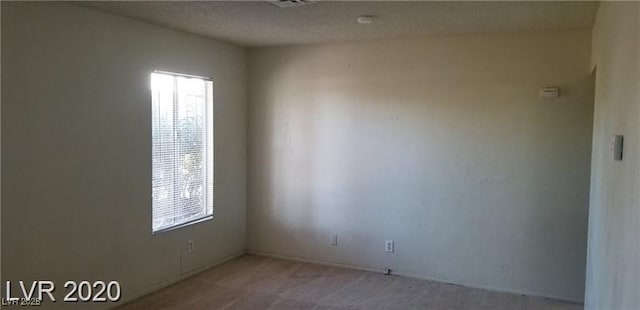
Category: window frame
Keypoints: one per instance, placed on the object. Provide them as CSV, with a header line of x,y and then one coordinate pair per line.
x,y
209,107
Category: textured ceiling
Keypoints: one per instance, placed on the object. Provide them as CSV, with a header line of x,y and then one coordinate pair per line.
x,y
260,23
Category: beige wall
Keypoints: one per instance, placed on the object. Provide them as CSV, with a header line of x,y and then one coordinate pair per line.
x,y
440,144
76,161
613,269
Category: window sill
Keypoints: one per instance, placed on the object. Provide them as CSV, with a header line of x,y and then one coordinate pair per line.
x,y
185,224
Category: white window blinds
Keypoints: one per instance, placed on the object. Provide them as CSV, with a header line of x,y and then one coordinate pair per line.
x,y
182,121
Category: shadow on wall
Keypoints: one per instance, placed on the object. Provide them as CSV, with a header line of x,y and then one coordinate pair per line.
x,y
439,144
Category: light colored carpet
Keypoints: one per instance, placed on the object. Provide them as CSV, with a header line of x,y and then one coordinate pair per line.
x,y
256,282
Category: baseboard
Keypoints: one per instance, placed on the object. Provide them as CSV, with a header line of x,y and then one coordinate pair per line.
x,y
314,261
181,277
410,275
494,289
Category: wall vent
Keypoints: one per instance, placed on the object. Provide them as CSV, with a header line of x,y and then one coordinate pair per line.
x,y
290,3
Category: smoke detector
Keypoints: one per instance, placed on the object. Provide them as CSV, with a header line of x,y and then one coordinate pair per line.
x,y
290,3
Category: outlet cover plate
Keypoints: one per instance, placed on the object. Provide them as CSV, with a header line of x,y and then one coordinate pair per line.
x,y
389,246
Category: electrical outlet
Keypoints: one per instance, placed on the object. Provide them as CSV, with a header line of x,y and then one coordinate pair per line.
x,y
190,246
334,240
388,246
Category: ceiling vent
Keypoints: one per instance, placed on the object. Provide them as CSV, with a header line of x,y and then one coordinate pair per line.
x,y
290,3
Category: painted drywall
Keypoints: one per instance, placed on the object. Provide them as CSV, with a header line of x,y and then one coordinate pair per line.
x,y
76,149
440,144
613,264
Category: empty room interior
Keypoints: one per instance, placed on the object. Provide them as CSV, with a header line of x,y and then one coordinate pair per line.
x,y
300,154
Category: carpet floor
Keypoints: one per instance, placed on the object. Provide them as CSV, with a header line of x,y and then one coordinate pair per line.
x,y
257,282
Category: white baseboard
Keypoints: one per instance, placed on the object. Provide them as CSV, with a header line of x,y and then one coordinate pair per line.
x,y
314,261
179,278
410,275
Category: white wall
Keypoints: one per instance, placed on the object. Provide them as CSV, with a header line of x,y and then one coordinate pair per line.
x,y
76,161
440,144
613,269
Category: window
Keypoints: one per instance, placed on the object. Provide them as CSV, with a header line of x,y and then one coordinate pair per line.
x,y
182,151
